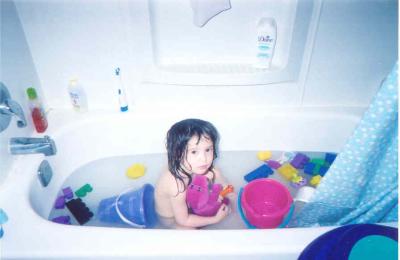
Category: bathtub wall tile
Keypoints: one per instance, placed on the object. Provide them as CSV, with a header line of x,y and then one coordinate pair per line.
x,y
342,66
87,40
349,65
17,73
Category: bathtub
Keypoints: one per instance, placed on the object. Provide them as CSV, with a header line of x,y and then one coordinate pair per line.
x,y
82,138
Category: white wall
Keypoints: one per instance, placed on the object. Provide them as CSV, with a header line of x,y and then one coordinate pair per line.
x,y
350,47
355,48
86,39
17,73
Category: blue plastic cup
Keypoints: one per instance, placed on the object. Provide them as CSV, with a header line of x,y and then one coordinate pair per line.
x,y
135,208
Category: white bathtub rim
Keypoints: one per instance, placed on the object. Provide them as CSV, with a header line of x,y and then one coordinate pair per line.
x,y
19,242
64,120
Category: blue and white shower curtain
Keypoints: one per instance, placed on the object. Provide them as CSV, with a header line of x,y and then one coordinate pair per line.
x,y
361,186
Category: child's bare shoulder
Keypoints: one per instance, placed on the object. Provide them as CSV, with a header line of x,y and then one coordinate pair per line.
x,y
168,183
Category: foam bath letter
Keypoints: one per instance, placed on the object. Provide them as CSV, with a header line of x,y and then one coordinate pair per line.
x,y
287,171
79,210
62,220
261,172
315,180
264,155
59,203
299,161
68,194
83,190
136,171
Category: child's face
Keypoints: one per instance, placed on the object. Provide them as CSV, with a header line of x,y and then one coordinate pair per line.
x,y
199,154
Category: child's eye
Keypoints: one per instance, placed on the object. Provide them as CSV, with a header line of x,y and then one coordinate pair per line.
x,y
209,149
193,152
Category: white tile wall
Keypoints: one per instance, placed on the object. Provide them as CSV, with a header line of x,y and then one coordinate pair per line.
x,y
44,43
17,73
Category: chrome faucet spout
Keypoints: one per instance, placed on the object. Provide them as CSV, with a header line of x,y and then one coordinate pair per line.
x,y
30,145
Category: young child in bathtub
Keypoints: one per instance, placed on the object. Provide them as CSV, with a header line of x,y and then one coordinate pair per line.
x,y
192,148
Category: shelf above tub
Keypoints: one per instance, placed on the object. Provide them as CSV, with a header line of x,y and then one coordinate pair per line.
x,y
184,54
218,74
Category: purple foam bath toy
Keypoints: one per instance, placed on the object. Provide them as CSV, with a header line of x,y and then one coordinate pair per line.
x,y
62,220
60,202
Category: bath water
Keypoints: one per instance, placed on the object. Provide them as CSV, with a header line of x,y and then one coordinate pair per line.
x,y
107,178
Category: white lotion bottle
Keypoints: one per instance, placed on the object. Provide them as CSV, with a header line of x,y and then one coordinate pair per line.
x,y
77,95
266,39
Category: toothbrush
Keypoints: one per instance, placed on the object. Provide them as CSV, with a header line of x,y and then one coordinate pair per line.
x,y
123,103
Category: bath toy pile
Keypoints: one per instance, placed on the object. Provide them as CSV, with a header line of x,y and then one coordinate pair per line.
x,y
296,168
259,201
71,204
112,192
76,207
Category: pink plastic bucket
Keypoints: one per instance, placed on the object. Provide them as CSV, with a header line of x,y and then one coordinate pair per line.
x,y
265,202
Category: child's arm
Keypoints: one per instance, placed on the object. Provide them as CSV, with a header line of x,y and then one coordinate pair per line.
x,y
183,218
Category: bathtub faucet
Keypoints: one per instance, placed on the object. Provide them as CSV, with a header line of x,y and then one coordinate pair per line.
x,y
9,108
23,145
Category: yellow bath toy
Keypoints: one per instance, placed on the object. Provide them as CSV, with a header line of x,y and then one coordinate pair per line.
x,y
264,155
136,171
287,171
315,180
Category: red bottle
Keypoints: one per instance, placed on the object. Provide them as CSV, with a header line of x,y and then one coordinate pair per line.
x,y
38,116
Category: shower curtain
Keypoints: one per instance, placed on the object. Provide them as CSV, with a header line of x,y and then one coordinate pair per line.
x,y
361,186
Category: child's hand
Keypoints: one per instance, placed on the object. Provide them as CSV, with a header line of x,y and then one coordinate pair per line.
x,y
223,211
228,189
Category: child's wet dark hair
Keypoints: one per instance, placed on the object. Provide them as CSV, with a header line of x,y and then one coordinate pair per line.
x,y
178,137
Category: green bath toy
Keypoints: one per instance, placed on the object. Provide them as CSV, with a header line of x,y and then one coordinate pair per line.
x,y
82,191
